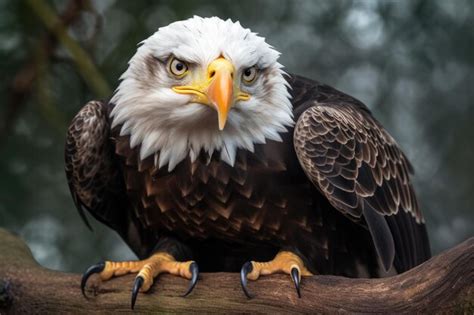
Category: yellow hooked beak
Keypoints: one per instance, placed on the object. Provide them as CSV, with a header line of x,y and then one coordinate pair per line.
x,y
216,89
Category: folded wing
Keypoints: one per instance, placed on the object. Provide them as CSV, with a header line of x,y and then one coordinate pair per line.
x,y
360,169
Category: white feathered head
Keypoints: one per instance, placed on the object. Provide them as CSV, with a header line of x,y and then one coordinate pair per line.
x,y
202,84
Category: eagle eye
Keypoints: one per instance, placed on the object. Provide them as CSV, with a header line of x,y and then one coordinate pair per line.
x,y
249,75
177,67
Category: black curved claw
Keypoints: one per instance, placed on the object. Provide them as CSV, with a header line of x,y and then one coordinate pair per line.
x,y
295,274
195,273
97,268
136,287
246,269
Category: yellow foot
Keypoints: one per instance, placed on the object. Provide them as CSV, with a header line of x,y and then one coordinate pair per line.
x,y
284,262
147,270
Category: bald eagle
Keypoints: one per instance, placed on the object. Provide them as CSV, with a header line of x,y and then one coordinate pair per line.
x,y
210,157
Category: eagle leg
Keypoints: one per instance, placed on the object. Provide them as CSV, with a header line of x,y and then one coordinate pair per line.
x,y
284,262
147,270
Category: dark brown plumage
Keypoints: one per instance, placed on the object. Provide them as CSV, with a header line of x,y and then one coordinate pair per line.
x,y
336,191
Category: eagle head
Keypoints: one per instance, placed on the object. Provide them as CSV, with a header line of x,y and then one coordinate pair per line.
x,y
202,84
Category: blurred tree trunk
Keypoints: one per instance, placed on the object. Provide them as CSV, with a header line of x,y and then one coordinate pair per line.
x,y
444,284
23,82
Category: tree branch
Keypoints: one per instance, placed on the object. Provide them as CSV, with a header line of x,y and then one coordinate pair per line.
x,y
444,284
84,64
23,81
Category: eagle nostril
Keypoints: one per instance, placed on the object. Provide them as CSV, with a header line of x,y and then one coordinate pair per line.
x,y
212,73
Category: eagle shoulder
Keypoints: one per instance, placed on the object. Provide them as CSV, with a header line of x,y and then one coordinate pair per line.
x,y
359,168
92,176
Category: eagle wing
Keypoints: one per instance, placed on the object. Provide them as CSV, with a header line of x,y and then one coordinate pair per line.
x,y
95,178
360,169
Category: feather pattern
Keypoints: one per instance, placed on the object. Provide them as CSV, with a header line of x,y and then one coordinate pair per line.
x,y
348,155
95,179
265,201
360,169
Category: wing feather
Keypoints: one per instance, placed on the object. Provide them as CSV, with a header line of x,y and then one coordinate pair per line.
x,y
89,170
360,169
95,178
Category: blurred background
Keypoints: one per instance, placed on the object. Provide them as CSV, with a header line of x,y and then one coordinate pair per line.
x,y
411,62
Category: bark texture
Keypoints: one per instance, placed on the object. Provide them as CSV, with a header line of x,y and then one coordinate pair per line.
x,y
444,284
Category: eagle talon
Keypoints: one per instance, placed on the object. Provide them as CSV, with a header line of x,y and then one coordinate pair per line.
x,y
97,268
246,269
136,287
284,262
295,275
194,269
